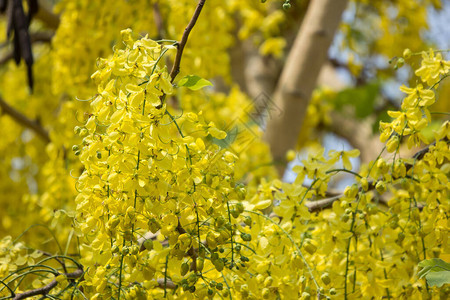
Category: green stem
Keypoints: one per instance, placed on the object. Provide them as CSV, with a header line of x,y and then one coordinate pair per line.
x,y
439,81
120,272
62,256
231,234
243,245
376,160
398,146
176,124
198,229
165,276
69,239
348,247
182,135
346,267
228,286
343,170
51,270
167,41
385,275
306,193
40,225
10,290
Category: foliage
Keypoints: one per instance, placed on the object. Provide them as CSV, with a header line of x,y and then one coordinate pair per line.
x,y
163,188
436,271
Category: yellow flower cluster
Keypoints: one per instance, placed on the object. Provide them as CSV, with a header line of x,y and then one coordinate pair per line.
x,y
66,65
159,209
149,171
44,183
374,251
415,115
243,127
432,68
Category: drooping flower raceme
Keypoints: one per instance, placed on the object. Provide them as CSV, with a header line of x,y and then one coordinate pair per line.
x,y
148,171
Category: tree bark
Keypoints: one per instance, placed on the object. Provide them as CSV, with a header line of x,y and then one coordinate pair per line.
x,y
299,76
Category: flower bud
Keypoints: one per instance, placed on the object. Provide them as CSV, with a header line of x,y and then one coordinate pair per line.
x,y
407,53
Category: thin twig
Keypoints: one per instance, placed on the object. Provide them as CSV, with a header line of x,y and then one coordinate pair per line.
x,y
22,119
176,65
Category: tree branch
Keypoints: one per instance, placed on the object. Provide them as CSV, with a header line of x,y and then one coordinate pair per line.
x,y
176,65
43,36
22,119
318,205
46,289
299,76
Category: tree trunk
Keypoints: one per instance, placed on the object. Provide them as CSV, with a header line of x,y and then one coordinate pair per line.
x,y
299,76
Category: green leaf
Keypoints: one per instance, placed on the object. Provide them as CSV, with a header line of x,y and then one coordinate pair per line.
x,y
438,278
194,82
435,263
361,98
436,271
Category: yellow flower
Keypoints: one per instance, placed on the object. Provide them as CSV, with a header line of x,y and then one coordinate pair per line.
x,y
345,155
424,97
432,67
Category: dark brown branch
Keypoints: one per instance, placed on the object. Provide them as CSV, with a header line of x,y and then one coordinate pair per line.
x,y
176,65
36,37
41,36
421,153
46,289
22,119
